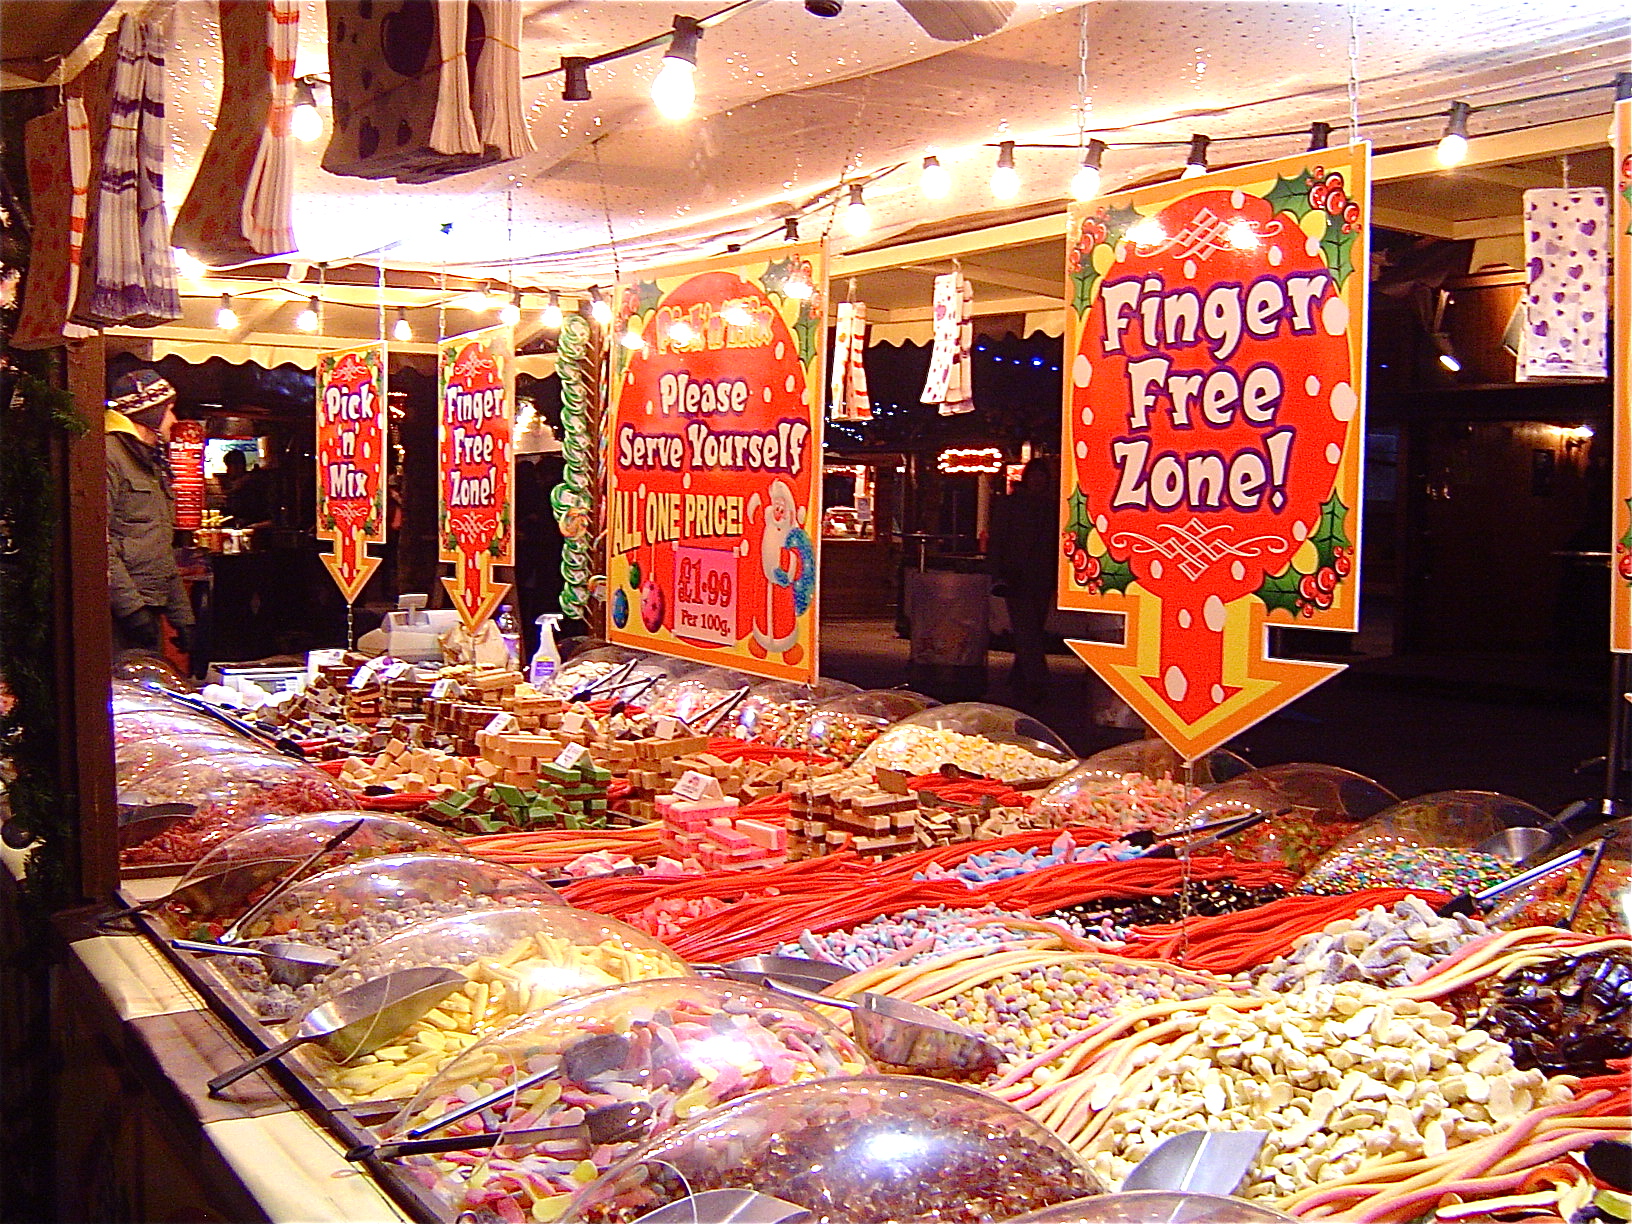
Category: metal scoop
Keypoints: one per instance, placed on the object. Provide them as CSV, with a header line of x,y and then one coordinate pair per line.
x,y
1471,902
1198,1162
616,1123
292,964
360,1020
906,1035
793,970
1515,844
230,935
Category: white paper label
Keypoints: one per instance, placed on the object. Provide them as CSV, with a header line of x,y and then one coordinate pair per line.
x,y
695,785
397,670
573,722
570,756
667,728
500,723
445,688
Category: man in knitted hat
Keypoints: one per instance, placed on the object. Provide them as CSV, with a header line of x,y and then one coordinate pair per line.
x,y
143,584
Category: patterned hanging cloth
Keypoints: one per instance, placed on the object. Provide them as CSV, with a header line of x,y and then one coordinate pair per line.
x,y
239,206
495,95
949,383
57,147
849,398
1566,324
162,303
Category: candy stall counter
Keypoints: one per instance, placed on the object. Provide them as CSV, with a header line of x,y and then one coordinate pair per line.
x,y
1156,1207
516,961
1556,899
775,711
232,791
844,727
990,740
654,1053
865,1150
1445,842
223,884
1308,809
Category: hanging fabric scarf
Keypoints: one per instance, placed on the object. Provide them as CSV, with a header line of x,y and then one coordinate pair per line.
x,y
849,398
162,302
496,92
58,153
949,383
239,205
1566,327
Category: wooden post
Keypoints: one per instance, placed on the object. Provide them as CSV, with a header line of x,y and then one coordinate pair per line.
x,y
84,627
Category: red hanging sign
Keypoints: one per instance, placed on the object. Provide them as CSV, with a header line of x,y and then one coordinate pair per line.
x,y
714,464
1213,433
351,443
476,383
187,473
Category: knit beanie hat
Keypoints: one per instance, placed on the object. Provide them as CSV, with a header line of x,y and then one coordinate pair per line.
x,y
143,396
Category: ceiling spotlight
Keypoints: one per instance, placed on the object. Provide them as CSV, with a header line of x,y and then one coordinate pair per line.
x,y
824,8
225,317
935,182
189,265
551,318
306,123
1085,182
401,332
599,310
1195,165
1445,354
631,338
790,229
307,320
856,218
1005,178
1453,146
575,78
1320,136
510,312
674,89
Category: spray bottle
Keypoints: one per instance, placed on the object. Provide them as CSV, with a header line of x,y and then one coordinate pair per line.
x,y
547,658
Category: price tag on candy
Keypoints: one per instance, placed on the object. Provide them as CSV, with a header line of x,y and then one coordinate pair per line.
x,y
500,723
695,785
397,670
445,688
572,722
364,675
669,727
570,756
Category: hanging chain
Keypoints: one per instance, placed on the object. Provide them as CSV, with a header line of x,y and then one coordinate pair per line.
x,y
1354,71
1083,103
1187,781
852,156
606,210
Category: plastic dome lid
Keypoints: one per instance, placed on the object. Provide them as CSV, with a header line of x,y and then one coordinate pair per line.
x,y
676,1047
1156,758
991,740
137,758
1156,1207
1607,907
689,695
865,1150
516,961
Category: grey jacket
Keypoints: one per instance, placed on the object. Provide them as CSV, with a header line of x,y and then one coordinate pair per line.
x,y
141,521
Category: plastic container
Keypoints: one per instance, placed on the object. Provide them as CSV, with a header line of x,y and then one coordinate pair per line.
x,y
844,727
588,666
144,722
546,661
1309,809
136,759
678,1047
223,884
1142,785
518,961
1607,907
990,740
690,695
1156,1207
1427,842
867,1150
774,710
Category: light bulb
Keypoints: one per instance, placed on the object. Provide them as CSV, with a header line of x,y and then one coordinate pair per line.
x,y
1196,164
307,320
674,89
856,218
225,317
1005,178
1085,182
510,312
400,330
1453,146
599,309
306,124
189,265
1191,170
551,317
936,181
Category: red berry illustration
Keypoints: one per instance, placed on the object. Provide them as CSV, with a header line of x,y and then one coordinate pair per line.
x,y
1326,579
1624,566
1342,564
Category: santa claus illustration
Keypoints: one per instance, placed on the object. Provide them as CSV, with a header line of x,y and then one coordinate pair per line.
x,y
788,559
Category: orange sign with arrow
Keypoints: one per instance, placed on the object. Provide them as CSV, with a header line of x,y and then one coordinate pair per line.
x,y
1213,433
351,441
476,385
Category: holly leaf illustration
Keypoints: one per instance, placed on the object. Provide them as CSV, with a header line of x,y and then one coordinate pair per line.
x,y
1114,574
647,296
1291,195
1118,221
1331,533
1335,247
1626,540
1279,592
1082,293
804,331
776,275
1079,522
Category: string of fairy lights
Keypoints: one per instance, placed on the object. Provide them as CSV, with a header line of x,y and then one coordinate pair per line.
x,y
673,95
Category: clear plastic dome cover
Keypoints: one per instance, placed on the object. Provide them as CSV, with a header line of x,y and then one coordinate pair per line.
x,y
587,666
690,695
223,884
1433,842
866,1150
139,667
775,710
1141,785
516,961
670,1049
1156,758
991,740
1156,1207
1308,808
843,727
141,722
134,760
1606,909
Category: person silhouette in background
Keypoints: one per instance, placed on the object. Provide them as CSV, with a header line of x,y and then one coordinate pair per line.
x,y
143,583
1021,557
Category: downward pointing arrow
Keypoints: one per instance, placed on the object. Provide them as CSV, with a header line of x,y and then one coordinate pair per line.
x,y
349,563
1199,681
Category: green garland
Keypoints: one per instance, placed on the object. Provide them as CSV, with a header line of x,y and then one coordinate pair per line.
x,y
44,806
